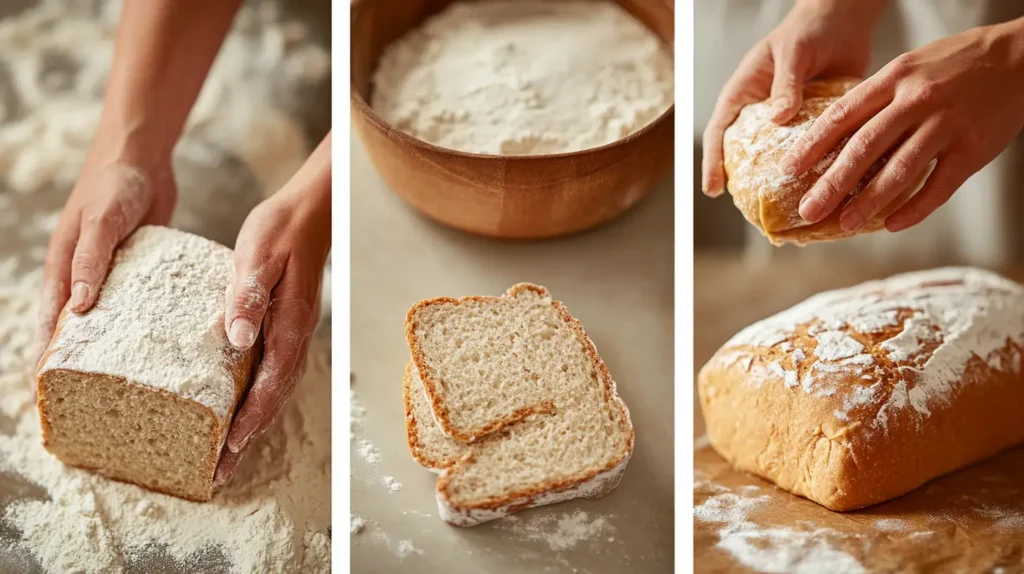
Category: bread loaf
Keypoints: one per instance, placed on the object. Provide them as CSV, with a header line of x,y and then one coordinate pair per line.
x,y
495,356
753,147
860,395
142,387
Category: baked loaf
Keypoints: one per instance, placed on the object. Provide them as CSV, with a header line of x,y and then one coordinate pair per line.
x,y
753,147
142,387
860,395
505,354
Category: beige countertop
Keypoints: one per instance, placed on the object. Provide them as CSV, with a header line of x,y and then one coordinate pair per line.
x,y
618,280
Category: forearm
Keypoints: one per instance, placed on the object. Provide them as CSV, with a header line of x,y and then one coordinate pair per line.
x,y
162,54
310,191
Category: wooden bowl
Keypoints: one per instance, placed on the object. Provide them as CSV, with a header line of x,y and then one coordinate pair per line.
x,y
515,197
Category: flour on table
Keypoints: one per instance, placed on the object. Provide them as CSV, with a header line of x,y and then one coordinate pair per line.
x,y
358,523
524,77
391,484
368,452
560,530
770,549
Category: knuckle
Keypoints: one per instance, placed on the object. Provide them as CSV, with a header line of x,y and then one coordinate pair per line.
x,y
901,167
900,66
86,262
837,112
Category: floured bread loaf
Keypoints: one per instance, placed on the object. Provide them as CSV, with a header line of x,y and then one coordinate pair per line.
x,y
506,354
860,395
753,147
142,387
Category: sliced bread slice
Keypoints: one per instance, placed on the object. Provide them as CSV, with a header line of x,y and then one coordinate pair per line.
x,y
487,362
578,447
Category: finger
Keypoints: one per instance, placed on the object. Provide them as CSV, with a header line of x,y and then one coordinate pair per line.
x,y
791,65
897,177
56,278
256,272
226,467
103,228
870,143
838,121
949,174
287,331
746,86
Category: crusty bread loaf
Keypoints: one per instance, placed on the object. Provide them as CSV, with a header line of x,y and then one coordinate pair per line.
x,y
142,387
753,147
860,395
576,447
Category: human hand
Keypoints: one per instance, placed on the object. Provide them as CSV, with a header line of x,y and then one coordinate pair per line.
x,y
279,262
109,201
959,101
817,38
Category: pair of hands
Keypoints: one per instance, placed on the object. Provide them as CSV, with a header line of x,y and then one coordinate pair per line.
x,y
279,261
958,101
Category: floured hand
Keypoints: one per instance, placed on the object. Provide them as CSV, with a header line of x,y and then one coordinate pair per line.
x,y
279,263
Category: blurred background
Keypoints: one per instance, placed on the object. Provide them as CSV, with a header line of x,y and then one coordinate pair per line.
x,y
979,225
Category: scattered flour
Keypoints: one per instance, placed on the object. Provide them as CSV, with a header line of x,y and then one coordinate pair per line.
x,y
368,452
771,549
405,548
391,484
559,530
543,77
358,523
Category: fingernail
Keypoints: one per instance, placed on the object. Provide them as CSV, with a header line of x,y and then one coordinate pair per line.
x,y
781,105
809,207
242,333
237,447
79,296
788,165
851,221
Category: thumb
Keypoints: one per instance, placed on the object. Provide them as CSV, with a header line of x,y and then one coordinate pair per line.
x,y
249,295
791,65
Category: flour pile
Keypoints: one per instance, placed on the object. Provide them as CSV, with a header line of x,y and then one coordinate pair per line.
x,y
524,77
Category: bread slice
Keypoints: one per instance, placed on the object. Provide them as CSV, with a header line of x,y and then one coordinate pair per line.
x,y
577,445
142,387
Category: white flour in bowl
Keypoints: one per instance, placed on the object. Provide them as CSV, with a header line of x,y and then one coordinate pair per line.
x,y
524,77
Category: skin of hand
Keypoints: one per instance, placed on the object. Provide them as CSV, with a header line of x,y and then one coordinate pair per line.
x,y
279,262
817,38
163,51
958,101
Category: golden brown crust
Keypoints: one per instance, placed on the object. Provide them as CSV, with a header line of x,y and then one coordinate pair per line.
x,y
240,364
795,440
753,148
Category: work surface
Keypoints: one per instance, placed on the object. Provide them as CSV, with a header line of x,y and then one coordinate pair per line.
x,y
617,280
969,521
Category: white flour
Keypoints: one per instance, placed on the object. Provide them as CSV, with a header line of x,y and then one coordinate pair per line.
x,y
524,77
273,517
559,530
947,316
771,549
159,320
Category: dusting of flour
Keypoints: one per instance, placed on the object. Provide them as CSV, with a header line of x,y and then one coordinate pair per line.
x,y
785,550
524,77
159,320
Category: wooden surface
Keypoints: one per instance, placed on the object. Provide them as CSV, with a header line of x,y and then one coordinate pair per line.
x,y
518,197
969,521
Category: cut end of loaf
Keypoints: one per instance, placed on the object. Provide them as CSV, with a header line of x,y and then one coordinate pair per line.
x,y
130,432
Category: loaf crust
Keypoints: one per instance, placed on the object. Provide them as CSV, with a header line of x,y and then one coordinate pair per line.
x,y
753,147
860,395
71,354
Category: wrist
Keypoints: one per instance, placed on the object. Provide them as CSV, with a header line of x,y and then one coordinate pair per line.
x,y
132,144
